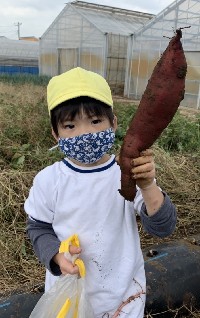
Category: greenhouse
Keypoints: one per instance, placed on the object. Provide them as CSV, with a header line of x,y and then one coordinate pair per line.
x,y
92,36
18,56
122,45
148,43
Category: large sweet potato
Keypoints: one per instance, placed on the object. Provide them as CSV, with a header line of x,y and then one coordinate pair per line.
x,y
158,105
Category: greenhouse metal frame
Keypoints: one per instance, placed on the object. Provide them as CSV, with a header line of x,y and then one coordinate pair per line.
x,y
147,44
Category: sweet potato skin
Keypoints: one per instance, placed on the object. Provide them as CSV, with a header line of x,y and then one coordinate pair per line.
x,y
158,105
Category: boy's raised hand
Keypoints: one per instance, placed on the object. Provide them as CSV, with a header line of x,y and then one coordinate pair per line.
x,y
66,266
143,169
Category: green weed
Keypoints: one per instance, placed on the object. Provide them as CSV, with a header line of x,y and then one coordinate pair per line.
x,y
182,135
24,79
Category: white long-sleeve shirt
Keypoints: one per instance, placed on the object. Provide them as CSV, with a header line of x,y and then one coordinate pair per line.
x,y
86,201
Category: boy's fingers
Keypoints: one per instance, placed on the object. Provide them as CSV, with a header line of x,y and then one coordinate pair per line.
x,y
147,167
146,152
73,269
145,156
70,269
144,175
141,161
74,250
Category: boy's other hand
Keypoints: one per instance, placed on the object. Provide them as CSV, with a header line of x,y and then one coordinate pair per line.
x,y
66,266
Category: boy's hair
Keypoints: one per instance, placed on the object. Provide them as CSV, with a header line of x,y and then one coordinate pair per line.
x,y
70,108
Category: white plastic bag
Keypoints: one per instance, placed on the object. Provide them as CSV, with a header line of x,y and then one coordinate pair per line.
x,y
67,298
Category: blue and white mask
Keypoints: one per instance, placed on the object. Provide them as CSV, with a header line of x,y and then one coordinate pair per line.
x,y
88,148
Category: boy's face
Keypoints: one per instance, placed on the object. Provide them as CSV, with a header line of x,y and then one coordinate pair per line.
x,y
82,124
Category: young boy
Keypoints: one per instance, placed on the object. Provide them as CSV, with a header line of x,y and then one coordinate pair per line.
x,y
79,195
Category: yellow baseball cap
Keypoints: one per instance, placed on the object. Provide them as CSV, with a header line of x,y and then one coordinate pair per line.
x,y
75,83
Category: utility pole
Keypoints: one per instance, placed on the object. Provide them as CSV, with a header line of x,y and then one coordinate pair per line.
x,y
18,24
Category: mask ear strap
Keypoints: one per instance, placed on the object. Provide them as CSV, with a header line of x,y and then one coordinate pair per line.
x,y
54,147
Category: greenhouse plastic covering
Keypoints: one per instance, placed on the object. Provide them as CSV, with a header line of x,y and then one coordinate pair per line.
x,y
148,43
116,21
18,49
109,19
18,56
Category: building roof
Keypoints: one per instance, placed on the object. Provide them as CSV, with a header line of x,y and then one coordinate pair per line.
x,y
109,19
182,14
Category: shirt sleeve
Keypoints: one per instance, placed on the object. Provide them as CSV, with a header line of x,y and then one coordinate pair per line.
x,y
40,203
163,222
45,243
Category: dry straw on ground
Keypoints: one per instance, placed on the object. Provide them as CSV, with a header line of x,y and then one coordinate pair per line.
x,y
179,175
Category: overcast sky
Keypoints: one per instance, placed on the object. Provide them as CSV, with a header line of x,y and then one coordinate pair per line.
x,y
33,17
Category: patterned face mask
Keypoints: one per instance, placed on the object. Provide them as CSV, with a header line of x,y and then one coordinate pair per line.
x,y
88,148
